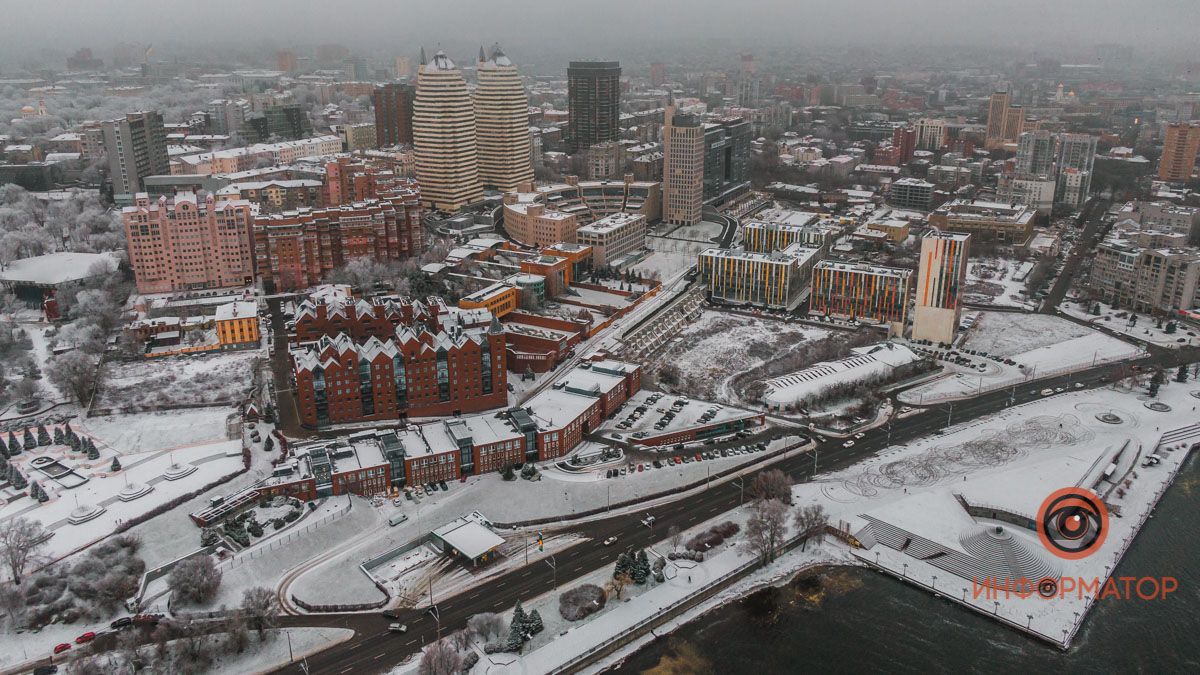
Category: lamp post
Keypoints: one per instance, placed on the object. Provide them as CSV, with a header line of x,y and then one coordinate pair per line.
x,y
554,567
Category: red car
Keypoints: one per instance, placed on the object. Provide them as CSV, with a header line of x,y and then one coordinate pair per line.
x,y
698,457
85,638
62,648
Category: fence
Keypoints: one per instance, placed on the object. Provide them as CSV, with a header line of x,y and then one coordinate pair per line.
x,y
165,569
362,606
279,540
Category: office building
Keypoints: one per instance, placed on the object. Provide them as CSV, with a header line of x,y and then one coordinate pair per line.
x,y
361,136
1180,146
765,237
862,291
726,159
549,214
447,156
997,117
911,193
613,237
393,104
1034,191
594,103
227,116
1035,153
189,242
776,280
1076,158
137,147
297,249
1011,223
941,273
930,134
683,167
501,123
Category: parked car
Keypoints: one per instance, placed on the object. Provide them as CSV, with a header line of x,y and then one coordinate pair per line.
x,y
45,670
443,485
85,638
389,614
848,444
61,647
122,622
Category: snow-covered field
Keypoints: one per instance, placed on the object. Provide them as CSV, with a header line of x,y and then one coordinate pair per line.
x,y
1040,345
720,345
1145,328
996,281
211,461
178,380
666,263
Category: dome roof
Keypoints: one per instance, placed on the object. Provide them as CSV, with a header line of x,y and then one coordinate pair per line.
x,y
1007,556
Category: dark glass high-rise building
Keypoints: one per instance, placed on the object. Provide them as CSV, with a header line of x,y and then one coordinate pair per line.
x,y
136,147
726,159
393,113
594,102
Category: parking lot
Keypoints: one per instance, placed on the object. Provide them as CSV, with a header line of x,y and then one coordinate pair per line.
x,y
651,414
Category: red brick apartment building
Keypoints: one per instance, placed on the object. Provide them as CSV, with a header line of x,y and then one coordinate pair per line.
x,y
551,424
392,359
296,249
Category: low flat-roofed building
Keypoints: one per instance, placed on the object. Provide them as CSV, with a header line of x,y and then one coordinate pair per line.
x,y
1012,223
613,237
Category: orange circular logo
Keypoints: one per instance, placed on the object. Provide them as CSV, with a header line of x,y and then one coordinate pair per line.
x,y
1072,523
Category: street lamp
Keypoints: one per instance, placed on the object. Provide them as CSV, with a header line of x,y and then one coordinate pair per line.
x,y
553,566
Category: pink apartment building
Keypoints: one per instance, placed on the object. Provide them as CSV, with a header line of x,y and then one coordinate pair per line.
x,y
189,242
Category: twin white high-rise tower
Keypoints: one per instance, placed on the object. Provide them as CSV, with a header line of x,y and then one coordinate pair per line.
x,y
462,145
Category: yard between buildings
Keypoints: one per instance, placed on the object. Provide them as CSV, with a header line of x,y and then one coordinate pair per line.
x,y
221,377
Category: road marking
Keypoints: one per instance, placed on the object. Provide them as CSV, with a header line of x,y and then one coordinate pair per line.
x,y
472,597
347,669
378,656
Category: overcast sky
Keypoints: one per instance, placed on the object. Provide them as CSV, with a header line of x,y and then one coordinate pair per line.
x,y
594,27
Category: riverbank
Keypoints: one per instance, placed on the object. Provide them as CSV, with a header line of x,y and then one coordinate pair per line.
x,y
864,619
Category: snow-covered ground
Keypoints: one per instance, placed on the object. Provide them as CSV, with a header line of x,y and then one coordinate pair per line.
x,y
178,380
1145,328
721,345
1014,460
704,231
997,281
666,263
1040,344
147,468
277,652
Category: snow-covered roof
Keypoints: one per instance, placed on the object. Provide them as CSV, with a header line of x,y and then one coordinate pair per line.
x,y
54,268
236,310
468,536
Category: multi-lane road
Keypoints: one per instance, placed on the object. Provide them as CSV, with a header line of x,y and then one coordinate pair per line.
x,y
374,648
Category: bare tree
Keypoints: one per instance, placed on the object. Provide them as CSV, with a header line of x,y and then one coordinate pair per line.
x,y
765,528
440,658
74,373
617,584
20,540
487,625
237,635
811,520
259,608
675,536
195,580
772,484
196,336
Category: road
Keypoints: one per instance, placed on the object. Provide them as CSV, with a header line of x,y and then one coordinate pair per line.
x,y
1093,216
375,649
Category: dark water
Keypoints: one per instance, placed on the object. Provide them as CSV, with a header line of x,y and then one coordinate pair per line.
x,y
842,620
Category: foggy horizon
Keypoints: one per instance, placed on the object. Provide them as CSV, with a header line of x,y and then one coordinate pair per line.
x,y
374,28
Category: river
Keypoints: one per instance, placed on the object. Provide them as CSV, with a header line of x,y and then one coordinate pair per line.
x,y
853,620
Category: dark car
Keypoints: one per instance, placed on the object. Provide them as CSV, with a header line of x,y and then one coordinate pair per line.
x,y
389,614
122,622
443,485
45,670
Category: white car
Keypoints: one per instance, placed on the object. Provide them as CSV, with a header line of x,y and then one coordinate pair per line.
x,y
648,521
859,435
848,444
610,541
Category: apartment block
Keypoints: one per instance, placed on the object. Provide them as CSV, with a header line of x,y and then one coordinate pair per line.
x,y
777,280
862,291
